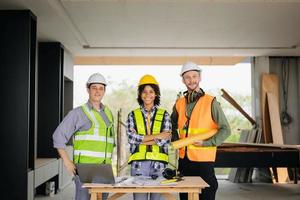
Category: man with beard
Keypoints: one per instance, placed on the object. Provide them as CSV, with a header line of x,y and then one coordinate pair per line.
x,y
196,113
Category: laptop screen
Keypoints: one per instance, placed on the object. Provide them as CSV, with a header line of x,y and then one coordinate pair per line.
x,y
95,173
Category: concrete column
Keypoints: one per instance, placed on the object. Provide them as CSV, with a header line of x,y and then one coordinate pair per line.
x,y
260,65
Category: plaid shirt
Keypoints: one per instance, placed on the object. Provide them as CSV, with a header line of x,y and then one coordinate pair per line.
x,y
135,139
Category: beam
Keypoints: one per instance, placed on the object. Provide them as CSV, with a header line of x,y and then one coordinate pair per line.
x,y
124,60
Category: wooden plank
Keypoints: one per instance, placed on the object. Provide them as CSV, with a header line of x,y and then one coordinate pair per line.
x,y
138,189
122,156
119,140
237,175
190,196
156,60
187,182
252,135
195,196
187,185
281,146
93,196
244,135
269,83
258,135
232,175
266,124
226,96
243,173
275,119
99,196
115,196
168,196
277,132
249,171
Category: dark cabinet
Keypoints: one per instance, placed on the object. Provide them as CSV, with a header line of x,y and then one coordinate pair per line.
x,y
55,91
51,95
18,101
54,100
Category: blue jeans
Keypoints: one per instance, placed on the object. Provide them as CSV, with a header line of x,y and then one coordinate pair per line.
x,y
146,170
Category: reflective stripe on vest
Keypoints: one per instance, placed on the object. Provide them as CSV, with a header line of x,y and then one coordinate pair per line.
x,y
200,122
91,153
96,144
142,153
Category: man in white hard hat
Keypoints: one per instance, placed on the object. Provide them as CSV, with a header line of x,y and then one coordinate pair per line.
x,y
195,113
91,126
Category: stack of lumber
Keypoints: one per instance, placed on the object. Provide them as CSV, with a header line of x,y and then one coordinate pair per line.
x,y
271,127
244,175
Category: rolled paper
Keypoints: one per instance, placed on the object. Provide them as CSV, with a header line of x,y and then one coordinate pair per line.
x,y
192,138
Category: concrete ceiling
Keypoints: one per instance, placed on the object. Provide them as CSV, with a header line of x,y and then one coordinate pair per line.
x,y
168,27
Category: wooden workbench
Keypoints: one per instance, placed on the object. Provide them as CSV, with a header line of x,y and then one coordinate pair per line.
x,y
258,155
190,185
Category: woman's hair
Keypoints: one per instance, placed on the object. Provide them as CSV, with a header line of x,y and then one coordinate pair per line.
x,y
156,90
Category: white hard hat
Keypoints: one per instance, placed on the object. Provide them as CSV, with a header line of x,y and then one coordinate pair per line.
x,y
189,66
96,78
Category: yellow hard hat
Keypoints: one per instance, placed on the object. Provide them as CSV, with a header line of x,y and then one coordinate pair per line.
x,y
148,79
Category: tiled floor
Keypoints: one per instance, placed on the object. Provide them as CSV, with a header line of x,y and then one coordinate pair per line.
x,y
227,191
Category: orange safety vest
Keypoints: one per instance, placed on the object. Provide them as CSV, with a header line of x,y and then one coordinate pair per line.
x,y
200,122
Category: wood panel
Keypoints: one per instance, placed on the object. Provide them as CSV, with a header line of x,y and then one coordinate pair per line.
x,y
275,119
158,60
279,146
271,117
273,103
270,83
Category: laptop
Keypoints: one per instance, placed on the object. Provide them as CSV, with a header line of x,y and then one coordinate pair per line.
x,y
95,173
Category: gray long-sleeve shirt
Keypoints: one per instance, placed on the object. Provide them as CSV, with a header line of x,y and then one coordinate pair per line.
x,y
74,121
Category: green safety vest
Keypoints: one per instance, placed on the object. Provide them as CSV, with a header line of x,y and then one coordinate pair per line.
x,y
96,144
156,153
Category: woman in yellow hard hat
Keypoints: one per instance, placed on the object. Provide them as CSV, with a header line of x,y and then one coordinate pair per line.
x,y
149,133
